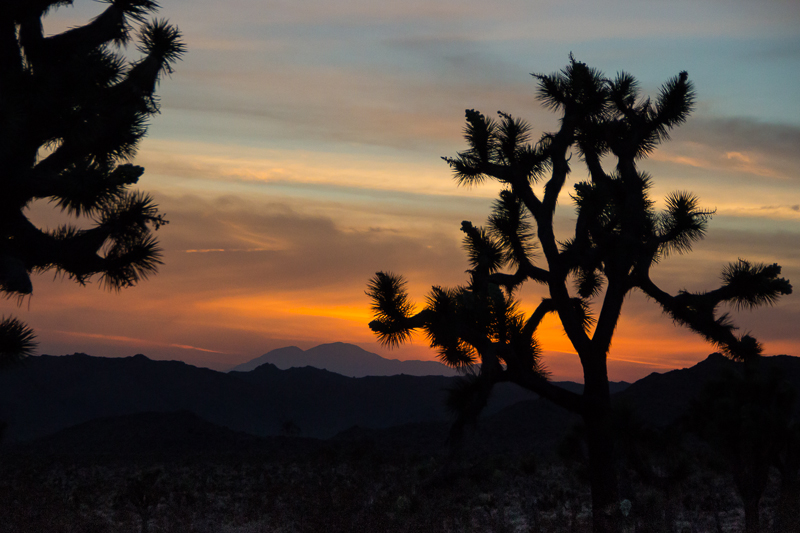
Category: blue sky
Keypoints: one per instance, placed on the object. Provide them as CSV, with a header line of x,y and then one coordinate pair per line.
x,y
298,151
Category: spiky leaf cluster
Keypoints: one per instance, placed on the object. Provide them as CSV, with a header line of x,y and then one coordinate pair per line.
x,y
577,90
16,341
638,126
494,146
391,308
460,323
750,285
511,227
450,312
484,252
73,111
682,223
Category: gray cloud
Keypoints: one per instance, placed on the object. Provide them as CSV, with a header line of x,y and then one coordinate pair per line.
x,y
744,135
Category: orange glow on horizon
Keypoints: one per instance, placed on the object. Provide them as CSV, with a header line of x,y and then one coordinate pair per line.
x,y
651,347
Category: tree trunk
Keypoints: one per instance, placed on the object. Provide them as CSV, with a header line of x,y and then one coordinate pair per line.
x,y
751,476
752,518
787,516
145,522
606,514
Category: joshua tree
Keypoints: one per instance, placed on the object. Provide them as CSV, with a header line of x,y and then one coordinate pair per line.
x,y
746,416
72,112
787,461
142,493
619,237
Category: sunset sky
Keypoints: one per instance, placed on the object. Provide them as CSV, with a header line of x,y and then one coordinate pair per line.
x,y
298,152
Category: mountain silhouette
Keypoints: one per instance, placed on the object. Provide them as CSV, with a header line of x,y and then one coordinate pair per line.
x,y
48,393
660,399
141,433
539,425
347,360
97,398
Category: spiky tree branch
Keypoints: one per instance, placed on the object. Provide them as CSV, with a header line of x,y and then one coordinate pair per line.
x,y
745,285
73,111
16,341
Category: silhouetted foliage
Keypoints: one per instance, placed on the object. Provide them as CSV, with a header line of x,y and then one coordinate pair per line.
x,y
16,341
143,493
619,237
747,419
787,462
72,111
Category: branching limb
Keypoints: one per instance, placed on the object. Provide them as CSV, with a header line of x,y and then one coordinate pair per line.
x,y
596,172
745,285
120,246
532,324
534,382
609,315
525,272
110,127
80,191
72,109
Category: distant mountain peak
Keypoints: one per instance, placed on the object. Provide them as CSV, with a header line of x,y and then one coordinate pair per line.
x,y
337,343
345,359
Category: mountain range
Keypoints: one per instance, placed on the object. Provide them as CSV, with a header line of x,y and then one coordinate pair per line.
x,y
347,360
48,393
82,402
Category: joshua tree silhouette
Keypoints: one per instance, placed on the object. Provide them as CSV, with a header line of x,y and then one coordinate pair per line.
x,y
619,237
72,112
746,415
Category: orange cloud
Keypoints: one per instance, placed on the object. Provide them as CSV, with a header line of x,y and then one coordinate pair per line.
x,y
739,157
204,162
718,162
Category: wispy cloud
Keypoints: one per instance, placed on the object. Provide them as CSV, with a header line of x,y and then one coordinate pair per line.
x,y
387,171
226,250
131,341
757,157
188,347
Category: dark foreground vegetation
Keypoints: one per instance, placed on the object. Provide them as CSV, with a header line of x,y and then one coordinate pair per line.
x,y
293,484
697,450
